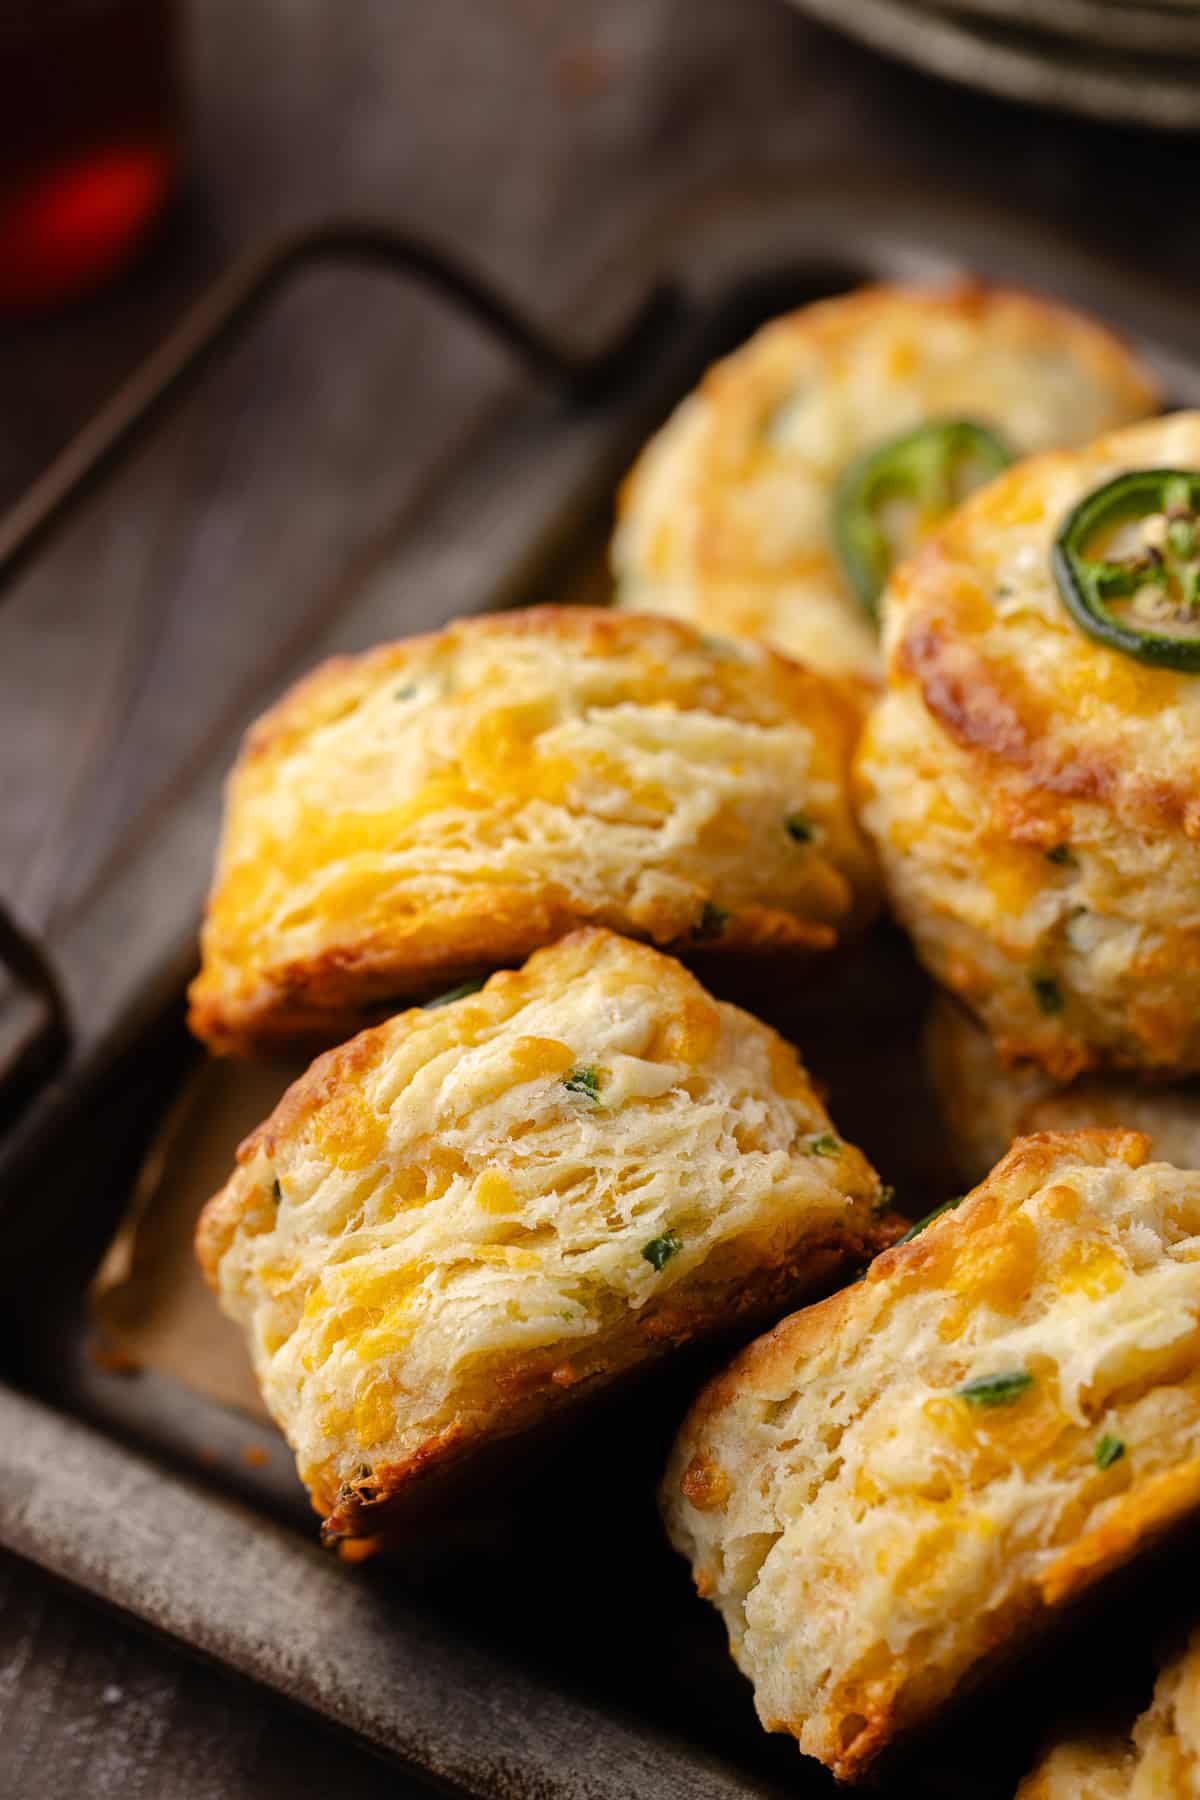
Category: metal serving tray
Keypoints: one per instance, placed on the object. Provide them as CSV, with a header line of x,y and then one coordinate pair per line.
x,y
557,1652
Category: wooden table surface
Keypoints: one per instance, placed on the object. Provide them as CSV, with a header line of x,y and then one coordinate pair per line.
x,y
532,135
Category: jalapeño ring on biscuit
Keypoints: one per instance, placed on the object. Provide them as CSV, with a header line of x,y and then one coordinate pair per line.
x,y
1156,581
931,469
781,490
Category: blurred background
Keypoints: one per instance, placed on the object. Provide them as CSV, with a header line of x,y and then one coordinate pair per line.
x,y
146,144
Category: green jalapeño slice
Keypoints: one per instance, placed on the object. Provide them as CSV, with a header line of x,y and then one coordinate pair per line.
x,y
887,499
1127,564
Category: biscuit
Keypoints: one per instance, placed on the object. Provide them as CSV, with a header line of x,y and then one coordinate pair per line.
x,y
447,804
1159,1761
471,1218
726,516
984,1106
1034,794
895,1488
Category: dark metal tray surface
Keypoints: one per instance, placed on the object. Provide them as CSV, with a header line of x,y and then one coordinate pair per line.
x,y
554,1650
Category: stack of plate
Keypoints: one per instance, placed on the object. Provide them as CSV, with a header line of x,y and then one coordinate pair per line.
x,y
1133,60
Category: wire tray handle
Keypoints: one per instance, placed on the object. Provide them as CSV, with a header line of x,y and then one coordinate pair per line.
x,y
218,316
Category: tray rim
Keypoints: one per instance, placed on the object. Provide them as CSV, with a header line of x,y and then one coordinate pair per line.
x,y
302,1601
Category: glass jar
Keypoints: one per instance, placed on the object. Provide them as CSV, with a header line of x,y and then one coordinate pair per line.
x,y
89,144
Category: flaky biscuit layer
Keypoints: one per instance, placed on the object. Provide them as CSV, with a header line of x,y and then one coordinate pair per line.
x,y
445,805
466,1220
899,1485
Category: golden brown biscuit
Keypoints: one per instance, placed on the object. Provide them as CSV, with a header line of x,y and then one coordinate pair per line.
x,y
726,517
1161,1761
1086,1769
985,1106
1034,794
468,1219
449,803
900,1484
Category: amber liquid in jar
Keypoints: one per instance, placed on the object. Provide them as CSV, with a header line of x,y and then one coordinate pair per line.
x,y
88,144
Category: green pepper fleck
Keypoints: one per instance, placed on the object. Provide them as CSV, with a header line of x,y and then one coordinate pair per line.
x,y
1181,538
710,924
1046,992
1062,855
406,692
1108,1451
825,1144
660,1250
276,1190
916,1229
455,993
583,1079
800,828
885,1198
933,468
1146,602
996,1390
